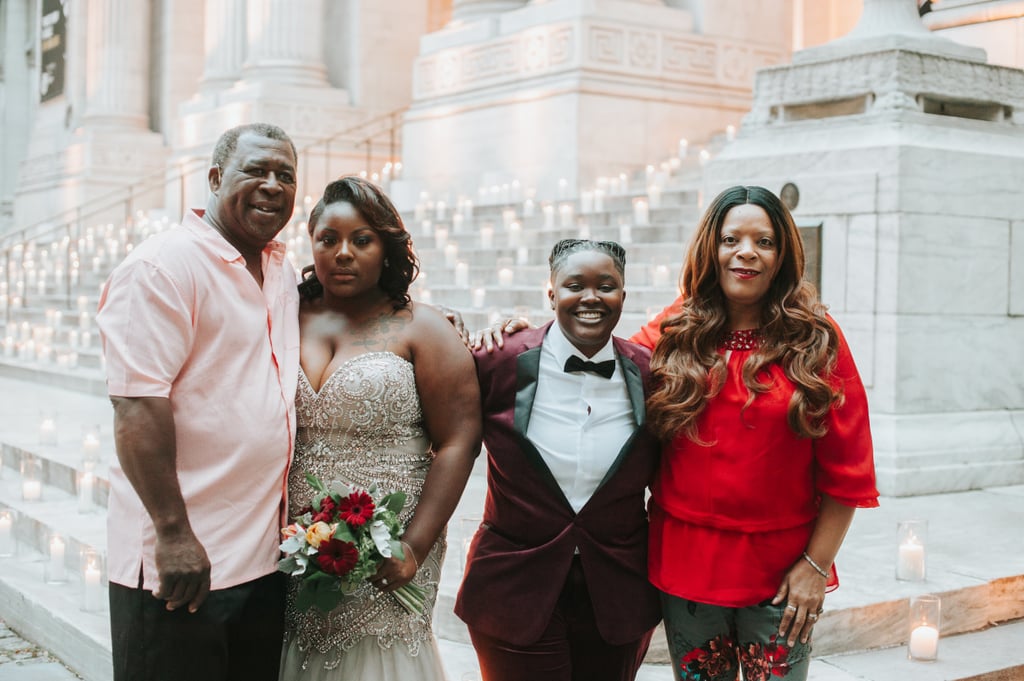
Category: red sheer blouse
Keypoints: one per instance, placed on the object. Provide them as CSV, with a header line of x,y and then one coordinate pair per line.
x,y
729,518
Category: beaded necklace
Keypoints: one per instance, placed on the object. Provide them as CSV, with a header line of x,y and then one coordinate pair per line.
x,y
744,339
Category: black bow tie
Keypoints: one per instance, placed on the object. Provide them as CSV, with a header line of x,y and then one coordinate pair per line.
x,y
605,369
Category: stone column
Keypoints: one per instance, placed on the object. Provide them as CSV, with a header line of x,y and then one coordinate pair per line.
x,y
225,34
285,39
467,10
117,36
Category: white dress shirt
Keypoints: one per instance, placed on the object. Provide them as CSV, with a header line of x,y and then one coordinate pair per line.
x,y
580,420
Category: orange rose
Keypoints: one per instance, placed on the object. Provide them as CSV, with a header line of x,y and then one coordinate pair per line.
x,y
318,532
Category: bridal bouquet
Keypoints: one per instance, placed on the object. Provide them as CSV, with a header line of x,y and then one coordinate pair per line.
x,y
339,540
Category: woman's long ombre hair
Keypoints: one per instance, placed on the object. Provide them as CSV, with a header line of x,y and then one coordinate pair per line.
x,y
796,333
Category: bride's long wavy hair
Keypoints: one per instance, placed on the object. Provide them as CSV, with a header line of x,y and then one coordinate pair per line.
x,y
796,333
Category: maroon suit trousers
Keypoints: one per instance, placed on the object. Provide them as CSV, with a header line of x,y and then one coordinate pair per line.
x,y
570,649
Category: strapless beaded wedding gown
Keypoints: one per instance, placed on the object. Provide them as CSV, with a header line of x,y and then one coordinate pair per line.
x,y
363,427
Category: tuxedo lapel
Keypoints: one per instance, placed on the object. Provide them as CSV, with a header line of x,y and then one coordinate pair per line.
x,y
635,388
527,371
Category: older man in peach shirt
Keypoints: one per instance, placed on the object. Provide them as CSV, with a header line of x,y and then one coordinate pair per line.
x,y
200,335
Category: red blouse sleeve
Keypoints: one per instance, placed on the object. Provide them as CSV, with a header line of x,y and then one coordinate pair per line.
x,y
649,334
844,457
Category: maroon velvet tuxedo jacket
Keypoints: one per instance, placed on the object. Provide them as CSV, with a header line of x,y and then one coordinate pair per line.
x,y
520,557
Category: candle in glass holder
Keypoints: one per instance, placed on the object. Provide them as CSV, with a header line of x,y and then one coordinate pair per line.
x,y
522,255
479,296
6,534
486,238
660,276
565,213
462,274
48,431
641,214
93,589
515,232
31,490
528,208
91,446
86,482
626,233
654,196
440,238
505,277
910,553
440,210
924,623
549,216
56,572
451,255
598,200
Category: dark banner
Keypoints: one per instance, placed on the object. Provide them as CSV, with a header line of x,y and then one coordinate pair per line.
x,y
52,43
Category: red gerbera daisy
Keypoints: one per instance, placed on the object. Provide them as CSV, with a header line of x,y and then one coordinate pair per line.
x,y
337,557
356,508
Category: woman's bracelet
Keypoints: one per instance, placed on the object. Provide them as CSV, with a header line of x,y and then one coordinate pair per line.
x,y
814,565
416,562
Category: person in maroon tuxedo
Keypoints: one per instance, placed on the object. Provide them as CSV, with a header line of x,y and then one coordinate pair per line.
x,y
556,584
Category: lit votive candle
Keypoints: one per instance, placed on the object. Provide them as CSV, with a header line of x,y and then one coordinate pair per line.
x,y
522,255
91,446
56,572
641,215
625,233
505,277
85,486
924,643
48,431
549,216
660,277
486,238
93,590
31,490
565,213
6,534
910,562
462,274
479,296
451,255
528,208
598,200
440,238
515,232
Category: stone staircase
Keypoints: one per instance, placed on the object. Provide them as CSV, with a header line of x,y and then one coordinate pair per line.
x,y
975,560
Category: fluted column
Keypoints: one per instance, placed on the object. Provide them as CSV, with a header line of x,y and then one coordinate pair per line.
x,y
476,9
117,36
285,42
225,43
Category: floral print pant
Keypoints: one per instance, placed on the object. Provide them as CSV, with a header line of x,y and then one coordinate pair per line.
x,y
710,643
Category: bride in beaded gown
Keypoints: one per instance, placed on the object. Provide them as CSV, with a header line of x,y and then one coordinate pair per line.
x,y
367,412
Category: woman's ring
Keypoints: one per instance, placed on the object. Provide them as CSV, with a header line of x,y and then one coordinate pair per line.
x,y
812,617
791,607
383,581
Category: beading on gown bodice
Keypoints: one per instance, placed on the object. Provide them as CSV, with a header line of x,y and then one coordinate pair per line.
x,y
363,427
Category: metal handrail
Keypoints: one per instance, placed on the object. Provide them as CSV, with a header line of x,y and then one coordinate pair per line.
x,y
125,195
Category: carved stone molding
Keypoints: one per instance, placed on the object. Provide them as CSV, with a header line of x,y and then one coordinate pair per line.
x,y
895,80
592,45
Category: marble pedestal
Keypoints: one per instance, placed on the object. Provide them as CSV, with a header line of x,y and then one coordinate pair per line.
x,y
912,163
568,89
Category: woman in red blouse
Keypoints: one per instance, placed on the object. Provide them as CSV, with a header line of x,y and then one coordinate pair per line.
x,y
767,447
